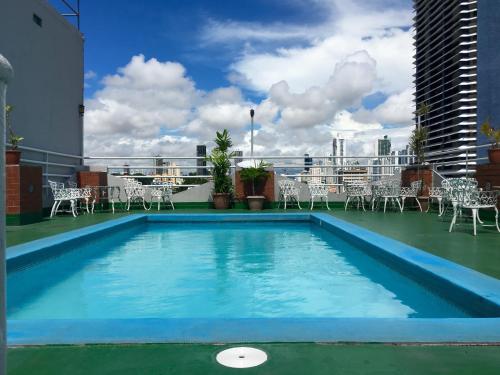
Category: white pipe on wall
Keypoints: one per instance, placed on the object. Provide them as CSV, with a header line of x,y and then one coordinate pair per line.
x,y
6,74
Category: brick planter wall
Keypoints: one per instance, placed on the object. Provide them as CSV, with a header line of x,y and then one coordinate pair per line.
x,y
87,178
410,175
488,175
243,190
23,198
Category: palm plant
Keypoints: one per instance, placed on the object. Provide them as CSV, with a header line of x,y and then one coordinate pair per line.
x,y
418,139
254,174
14,139
492,133
220,159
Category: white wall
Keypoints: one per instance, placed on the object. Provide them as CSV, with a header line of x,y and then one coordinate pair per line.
x,y
47,88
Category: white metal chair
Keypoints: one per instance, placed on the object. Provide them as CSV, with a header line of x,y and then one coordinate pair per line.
x,y
410,192
436,193
387,190
357,191
134,191
465,195
162,192
318,191
288,192
62,194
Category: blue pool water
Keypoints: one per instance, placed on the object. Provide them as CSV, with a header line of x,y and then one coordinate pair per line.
x,y
218,270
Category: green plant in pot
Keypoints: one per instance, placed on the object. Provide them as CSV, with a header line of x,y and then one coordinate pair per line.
x,y
12,155
417,142
494,136
255,176
220,157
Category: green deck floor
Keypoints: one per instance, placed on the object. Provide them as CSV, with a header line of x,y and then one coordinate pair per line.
x,y
425,231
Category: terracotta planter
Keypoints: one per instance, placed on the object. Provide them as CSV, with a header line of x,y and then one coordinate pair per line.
x,y
221,201
494,155
12,157
256,202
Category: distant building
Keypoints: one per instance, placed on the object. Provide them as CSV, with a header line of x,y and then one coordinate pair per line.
x,y
201,152
384,146
238,154
339,149
159,163
359,174
403,156
307,162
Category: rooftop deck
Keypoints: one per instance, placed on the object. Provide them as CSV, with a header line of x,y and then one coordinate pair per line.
x,y
425,231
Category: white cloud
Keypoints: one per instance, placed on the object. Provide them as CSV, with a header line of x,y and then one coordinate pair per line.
x,y
310,93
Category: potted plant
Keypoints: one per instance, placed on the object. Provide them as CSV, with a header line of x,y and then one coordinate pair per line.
x,y
12,155
419,171
220,159
255,176
494,136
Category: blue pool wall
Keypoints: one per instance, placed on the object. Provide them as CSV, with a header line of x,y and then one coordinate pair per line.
x,y
463,285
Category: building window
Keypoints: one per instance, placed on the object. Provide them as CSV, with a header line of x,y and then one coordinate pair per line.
x,y
37,20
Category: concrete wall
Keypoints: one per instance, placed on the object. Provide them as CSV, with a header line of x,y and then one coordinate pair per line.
x,y
48,85
488,69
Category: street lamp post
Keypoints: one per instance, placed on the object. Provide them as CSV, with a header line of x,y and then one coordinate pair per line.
x,y
252,113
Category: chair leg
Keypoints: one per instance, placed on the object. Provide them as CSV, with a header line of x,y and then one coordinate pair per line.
x,y
285,198
52,212
298,203
399,204
312,202
403,203
346,203
87,205
419,205
496,219
113,205
474,217
73,208
440,203
326,198
454,217
158,204
478,218
128,204
171,203
385,203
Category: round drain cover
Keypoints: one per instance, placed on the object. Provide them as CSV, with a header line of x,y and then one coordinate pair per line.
x,y
241,357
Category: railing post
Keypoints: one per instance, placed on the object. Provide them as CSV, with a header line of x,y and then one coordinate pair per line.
x,y
6,74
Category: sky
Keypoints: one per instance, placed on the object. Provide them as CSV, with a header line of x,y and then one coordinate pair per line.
x,y
163,75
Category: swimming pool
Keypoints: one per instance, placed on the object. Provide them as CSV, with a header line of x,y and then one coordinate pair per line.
x,y
269,277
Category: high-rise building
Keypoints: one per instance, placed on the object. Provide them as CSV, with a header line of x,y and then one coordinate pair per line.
x,y
384,146
201,152
339,149
307,161
457,75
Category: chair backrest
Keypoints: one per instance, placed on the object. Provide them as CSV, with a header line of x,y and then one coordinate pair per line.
x,y
287,187
318,189
72,185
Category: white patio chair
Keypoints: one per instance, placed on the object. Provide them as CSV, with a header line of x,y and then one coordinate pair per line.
x,y
474,199
162,192
357,192
436,193
387,190
62,194
288,191
318,191
81,194
134,191
410,192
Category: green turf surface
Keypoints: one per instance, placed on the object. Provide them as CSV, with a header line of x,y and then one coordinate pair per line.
x,y
307,359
